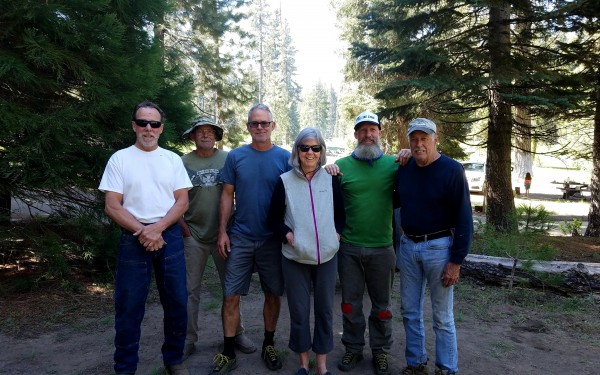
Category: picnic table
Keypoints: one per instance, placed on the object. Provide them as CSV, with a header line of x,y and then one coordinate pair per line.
x,y
571,189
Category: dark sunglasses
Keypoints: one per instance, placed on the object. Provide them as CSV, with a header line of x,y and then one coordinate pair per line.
x,y
315,148
263,124
144,123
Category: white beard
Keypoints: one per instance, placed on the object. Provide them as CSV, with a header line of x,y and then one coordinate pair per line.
x,y
368,152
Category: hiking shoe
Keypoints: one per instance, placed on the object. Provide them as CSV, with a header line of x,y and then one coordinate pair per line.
x,y
188,350
349,361
180,369
380,362
415,370
271,358
223,364
244,344
439,371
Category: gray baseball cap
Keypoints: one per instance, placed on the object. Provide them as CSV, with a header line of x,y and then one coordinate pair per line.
x,y
422,124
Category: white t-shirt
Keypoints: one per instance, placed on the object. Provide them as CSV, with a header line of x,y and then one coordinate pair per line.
x,y
147,181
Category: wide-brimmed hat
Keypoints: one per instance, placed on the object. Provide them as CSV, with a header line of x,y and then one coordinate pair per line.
x,y
368,117
422,124
204,120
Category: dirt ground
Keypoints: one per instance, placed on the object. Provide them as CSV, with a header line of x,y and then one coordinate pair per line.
x,y
56,333
492,339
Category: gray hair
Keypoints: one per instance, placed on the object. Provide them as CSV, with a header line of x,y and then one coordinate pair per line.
x,y
306,134
258,106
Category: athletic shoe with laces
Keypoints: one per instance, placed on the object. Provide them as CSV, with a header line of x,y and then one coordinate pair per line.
x,y
439,371
380,362
349,361
223,364
415,370
271,358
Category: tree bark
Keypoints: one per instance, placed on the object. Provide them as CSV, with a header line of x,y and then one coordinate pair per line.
x,y
499,198
577,277
593,228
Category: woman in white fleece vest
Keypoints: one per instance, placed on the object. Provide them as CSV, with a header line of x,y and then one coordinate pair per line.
x,y
307,214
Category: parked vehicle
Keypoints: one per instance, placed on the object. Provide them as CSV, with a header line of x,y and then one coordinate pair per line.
x,y
475,173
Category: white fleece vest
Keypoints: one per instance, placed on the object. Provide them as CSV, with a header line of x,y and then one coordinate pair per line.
x,y
309,213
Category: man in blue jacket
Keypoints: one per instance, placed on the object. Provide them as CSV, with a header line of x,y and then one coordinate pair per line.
x,y
437,222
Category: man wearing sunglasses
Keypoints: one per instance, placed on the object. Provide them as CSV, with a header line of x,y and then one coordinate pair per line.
x,y
200,227
250,173
145,190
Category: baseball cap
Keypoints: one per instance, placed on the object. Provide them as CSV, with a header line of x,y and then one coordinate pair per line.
x,y
422,124
366,116
204,120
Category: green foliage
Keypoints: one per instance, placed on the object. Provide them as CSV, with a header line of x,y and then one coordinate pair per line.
x,y
50,249
71,72
571,228
523,246
52,255
534,219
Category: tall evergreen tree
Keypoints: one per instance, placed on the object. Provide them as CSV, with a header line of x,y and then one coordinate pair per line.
x,y
457,63
70,73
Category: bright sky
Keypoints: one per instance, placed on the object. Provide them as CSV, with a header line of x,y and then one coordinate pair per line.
x,y
316,38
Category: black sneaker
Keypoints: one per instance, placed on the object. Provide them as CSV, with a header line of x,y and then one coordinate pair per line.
x,y
415,370
380,362
349,361
439,371
271,358
223,364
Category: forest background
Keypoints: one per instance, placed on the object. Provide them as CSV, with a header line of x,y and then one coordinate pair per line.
x,y
510,80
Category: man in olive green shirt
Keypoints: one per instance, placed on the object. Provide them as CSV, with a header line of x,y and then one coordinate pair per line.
x,y
200,224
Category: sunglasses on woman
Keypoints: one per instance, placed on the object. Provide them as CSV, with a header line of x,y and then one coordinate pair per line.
x,y
315,148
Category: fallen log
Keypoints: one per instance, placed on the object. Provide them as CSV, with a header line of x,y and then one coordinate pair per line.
x,y
577,277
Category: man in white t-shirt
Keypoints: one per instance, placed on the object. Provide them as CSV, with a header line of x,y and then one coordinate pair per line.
x,y
146,190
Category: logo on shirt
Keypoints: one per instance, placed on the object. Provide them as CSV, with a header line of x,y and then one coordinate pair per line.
x,y
205,178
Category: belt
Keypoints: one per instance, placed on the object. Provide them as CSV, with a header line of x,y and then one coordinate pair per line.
x,y
430,236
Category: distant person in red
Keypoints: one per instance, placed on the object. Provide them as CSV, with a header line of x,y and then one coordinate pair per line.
x,y
527,183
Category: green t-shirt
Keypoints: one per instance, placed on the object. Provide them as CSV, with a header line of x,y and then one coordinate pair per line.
x,y
368,198
203,213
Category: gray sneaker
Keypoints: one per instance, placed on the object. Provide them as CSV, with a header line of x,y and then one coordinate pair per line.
x,y
244,344
415,370
349,361
180,369
188,350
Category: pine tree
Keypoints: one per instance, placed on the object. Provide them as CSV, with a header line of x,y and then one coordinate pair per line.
x,y
459,64
71,72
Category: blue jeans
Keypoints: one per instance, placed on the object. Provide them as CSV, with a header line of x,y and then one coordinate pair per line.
x,y
422,264
134,274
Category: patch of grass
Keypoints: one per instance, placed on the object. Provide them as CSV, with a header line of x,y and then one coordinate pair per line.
x,y
579,313
500,348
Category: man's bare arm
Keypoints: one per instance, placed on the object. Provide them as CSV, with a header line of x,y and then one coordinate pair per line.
x,y
225,208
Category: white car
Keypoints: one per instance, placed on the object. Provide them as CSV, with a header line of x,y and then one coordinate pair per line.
x,y
475,173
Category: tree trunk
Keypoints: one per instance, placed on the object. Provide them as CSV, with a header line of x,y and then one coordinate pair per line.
x,y
577,277
523,160
499,198
593,228
5,200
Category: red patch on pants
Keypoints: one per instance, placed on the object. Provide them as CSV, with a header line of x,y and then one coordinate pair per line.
x,y
346,308
384,315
